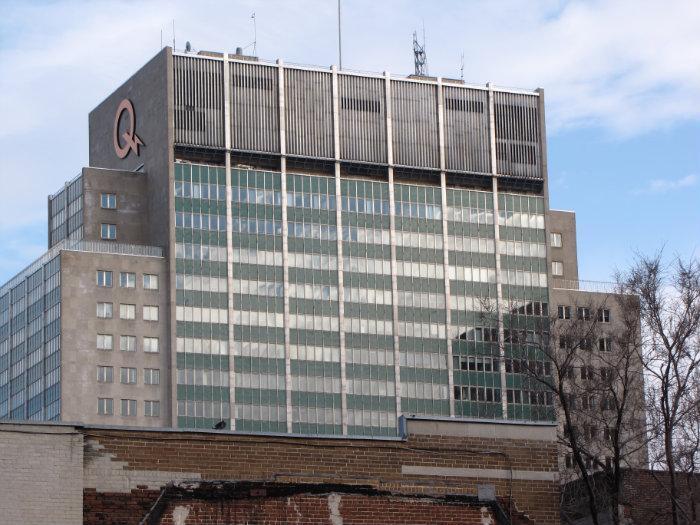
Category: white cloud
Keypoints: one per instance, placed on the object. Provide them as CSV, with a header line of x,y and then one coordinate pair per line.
x,y
665,185
627,66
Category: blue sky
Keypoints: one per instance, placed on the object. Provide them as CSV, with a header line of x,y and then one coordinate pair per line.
x,y
621,80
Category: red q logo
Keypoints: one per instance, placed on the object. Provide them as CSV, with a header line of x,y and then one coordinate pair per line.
x,y
131,140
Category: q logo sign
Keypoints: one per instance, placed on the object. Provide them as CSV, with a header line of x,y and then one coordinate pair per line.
x,y
129,141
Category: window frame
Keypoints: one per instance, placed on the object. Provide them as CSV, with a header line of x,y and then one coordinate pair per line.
x,y
128,375
111,201
127,337
111,231
150,308
105,305
552,237
557,269
104,278
150,276
129,403
105,406
105,374
124,276
108,337
123,307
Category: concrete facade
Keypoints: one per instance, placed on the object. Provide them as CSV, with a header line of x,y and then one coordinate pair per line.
x,y
81,357
132,209
568,291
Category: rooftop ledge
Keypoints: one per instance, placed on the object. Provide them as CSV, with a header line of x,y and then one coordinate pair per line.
x,y
73,245
585,286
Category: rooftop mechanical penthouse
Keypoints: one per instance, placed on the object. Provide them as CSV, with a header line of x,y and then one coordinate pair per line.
x,y
288,249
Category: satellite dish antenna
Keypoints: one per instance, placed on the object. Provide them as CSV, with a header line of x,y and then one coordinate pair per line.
x,y
188,47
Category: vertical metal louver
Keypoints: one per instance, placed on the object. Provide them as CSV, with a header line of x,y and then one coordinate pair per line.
x,y
466,129
361,104
254,107
308,102
414,124
518,149
199,101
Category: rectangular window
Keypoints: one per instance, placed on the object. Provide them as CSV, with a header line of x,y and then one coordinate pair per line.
x,y
104,279
128,407
150,345
108,201
127,311
105,406
127,280
557,268
150,282
604,315
105,374
584,314
104,310
605,344
105,342
151,376
127,343
564,312
555,239
128,376
108,231
150,313
151,408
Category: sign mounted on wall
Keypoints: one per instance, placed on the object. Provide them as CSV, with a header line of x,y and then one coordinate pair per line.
x,y
130,138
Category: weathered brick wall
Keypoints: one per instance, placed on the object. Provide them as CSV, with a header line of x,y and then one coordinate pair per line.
x,y
41,475
115,476
325,509
646,497
423,464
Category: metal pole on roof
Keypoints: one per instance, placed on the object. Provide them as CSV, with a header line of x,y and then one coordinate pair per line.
x,y
340,42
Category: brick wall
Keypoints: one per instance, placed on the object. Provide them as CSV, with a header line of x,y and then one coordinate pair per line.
x,y
425,463
332,508
41,474
646,497
431,476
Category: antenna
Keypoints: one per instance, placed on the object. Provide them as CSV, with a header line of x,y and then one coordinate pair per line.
x,y
340,40
461,67
161,39
255,35
173,34
419,57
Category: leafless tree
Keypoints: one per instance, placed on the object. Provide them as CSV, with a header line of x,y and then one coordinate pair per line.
x,y
590,371
669,305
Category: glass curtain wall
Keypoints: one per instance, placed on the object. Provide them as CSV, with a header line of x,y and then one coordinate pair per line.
x,y
30,357
258,301
524,285
202,322
313,305
368,330
473,308
421,295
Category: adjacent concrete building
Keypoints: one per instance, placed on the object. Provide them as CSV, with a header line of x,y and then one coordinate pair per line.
x,y
602,330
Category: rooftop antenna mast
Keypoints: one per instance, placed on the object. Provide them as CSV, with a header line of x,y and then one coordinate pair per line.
x,y
255,35
419,57
173,34
340,44
461,68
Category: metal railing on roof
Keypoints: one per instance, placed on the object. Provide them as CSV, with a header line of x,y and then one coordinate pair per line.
x,y
74,245
585,286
